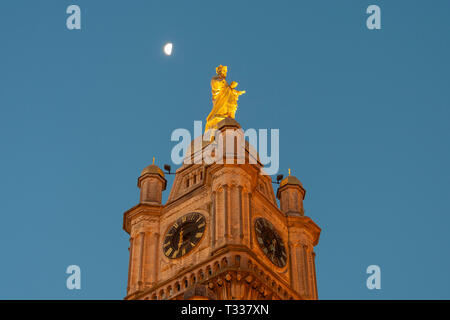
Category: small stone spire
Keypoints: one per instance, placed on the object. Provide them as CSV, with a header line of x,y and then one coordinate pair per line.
x,y
152,183
291,194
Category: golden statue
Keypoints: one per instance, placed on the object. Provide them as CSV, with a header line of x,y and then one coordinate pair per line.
x,y
224,98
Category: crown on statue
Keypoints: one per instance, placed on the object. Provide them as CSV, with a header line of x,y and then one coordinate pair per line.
x,y
220,69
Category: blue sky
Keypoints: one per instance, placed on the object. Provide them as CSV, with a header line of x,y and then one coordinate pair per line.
x,y
363,118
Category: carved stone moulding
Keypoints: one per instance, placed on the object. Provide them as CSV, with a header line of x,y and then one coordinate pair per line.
x,y
231,276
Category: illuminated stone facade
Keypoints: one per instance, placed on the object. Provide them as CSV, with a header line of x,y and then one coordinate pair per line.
x,y
228,262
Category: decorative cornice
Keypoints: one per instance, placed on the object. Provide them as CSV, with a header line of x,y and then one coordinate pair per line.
x,y
141,209
291,186
255,273
307,224
152,175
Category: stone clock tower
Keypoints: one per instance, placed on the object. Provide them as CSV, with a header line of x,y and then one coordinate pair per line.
x,y
221,234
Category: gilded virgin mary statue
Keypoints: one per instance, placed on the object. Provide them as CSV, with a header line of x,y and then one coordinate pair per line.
x,y
224,98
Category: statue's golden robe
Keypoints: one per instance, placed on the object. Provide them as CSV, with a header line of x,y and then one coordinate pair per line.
x,y
224,98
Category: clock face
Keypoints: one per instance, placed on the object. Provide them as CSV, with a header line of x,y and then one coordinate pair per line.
x,y
184,235
270,242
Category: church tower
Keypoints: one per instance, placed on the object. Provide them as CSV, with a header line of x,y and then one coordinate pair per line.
x,y
221,234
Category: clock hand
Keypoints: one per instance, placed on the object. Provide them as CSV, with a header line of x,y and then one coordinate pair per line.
x,y
273,247
180,242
